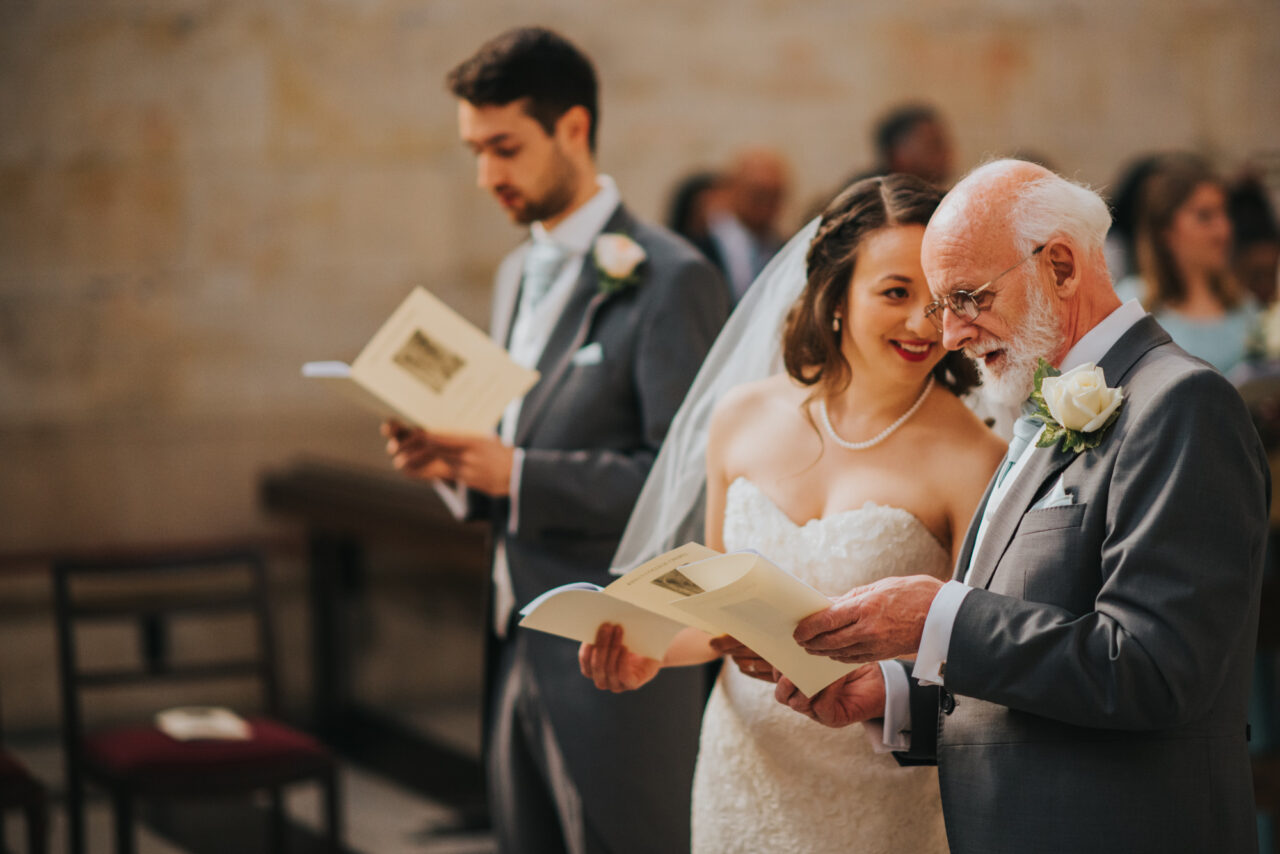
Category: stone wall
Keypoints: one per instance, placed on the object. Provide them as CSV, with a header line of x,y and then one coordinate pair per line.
x,y
196,196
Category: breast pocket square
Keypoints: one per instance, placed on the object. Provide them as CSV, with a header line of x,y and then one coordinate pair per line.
x,y
1057,497
591,354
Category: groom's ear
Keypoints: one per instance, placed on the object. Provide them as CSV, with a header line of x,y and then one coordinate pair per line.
x,y
573,128
1064,261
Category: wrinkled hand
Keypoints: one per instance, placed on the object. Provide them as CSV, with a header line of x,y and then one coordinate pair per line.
x,y
851,699
613,667
747,660
483,463
872,623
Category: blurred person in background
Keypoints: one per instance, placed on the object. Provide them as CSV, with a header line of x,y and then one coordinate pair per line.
x,y
746,234
1123,201
1256,248
696,199
912,139
1183,242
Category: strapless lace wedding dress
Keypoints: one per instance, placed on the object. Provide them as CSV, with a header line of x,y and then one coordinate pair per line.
x,y
770,780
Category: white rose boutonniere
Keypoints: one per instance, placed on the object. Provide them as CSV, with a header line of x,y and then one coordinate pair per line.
x,y
618,259
1076,407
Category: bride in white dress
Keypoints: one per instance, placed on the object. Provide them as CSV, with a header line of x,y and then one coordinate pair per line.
x,y
857,463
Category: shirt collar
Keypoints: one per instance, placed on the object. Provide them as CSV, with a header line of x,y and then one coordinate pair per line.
x,y
1097,341
580,228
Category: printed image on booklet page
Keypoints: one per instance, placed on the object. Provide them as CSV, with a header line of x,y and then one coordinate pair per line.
x,y
428,361
677,582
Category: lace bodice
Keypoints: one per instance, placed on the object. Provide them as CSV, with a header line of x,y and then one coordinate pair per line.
x,y
835,553
769,779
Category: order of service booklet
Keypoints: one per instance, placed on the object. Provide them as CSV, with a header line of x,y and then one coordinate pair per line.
x,y
743,594
428,365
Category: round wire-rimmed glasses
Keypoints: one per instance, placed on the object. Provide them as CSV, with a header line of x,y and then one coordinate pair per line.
x,y
966,304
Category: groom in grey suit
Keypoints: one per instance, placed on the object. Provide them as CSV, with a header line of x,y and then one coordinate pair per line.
x,y
1082,684
616,315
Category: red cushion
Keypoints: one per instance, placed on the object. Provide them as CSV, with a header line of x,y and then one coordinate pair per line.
x,y
146,758
16,782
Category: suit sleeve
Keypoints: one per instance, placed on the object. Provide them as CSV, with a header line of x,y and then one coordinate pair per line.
x,y
1180,568
592,492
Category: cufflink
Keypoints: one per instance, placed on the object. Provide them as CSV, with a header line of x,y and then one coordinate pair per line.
x,y
948,702
942,670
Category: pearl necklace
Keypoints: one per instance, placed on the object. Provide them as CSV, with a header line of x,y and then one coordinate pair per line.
x,y
884,434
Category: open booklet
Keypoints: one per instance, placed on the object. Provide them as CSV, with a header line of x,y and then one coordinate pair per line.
x,y
743,594
429,366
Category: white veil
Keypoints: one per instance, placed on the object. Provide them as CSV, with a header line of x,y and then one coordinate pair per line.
x,y
671,506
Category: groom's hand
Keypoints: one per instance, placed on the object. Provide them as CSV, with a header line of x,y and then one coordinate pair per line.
x,y
851,699
483,463
879,621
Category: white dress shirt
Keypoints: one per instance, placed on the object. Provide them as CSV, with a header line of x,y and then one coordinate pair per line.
x,y
936,639
529,335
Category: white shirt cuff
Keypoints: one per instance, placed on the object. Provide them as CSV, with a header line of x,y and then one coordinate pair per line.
x,y
513,491
895,730
931,661
454,497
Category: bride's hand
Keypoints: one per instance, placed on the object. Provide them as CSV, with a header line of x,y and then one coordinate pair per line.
x,y
851,699
747,660
613,667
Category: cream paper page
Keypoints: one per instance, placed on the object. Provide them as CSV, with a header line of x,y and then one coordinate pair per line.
x,y
437,370
576,613
751,598
634,601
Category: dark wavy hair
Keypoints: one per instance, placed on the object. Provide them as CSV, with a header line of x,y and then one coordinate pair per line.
x,y
532,63
1168,187
810,347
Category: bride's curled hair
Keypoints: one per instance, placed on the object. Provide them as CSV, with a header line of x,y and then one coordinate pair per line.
x,y
810,347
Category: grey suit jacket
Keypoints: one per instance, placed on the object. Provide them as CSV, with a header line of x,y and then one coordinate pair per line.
x,y
590,433
1100,671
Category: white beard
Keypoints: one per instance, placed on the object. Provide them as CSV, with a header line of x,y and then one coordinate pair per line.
x,y
1039,335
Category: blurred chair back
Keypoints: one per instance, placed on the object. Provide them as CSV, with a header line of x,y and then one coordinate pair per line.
x,y
21,791
150,597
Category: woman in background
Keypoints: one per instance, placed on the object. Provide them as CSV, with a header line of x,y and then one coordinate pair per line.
x,y
1184,255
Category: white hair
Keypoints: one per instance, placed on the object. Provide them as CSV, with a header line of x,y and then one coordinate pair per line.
x,y
1051,207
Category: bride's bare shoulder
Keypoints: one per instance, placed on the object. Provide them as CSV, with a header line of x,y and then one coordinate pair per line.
x,y
961,434
754,403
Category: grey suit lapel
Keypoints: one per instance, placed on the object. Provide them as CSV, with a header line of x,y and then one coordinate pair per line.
x,y
1045,463
569,334
966,550
506,292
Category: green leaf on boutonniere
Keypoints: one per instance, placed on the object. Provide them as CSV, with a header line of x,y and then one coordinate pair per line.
x,y
1055,432
618,259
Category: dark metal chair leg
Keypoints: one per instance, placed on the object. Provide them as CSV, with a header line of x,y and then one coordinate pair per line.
x,y
75,813
122,806
333,810
279,824
37,827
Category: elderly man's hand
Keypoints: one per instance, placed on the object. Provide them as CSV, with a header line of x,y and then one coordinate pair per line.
x,y
851,699
879,621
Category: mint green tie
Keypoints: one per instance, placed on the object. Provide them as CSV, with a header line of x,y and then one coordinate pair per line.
x,y
542,264
1024,430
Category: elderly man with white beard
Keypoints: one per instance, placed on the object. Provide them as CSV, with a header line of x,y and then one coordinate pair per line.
x,y
1082,682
